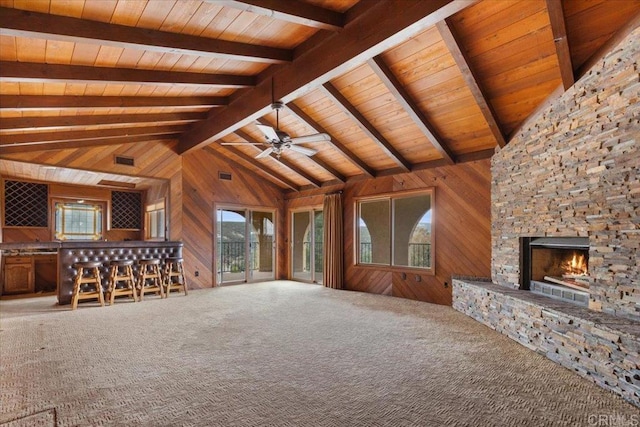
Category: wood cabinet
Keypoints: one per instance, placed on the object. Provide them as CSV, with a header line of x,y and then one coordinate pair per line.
x,y
45,268
18,274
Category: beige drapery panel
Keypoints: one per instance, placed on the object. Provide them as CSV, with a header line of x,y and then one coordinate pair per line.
x,y
333,241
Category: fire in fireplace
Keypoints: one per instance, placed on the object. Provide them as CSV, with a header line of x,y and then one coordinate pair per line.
x,y
557,267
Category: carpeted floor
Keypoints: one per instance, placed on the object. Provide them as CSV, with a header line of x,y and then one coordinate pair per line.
x,y
279,354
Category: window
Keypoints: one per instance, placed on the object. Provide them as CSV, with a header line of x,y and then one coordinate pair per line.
x,y
155,221
396,231
78,220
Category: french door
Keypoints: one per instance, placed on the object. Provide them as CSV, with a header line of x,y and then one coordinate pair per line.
x,y
245,245
307,245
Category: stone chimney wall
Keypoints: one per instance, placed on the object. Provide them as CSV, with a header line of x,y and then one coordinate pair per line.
x,y
574,170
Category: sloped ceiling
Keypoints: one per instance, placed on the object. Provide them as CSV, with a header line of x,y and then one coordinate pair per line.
x,y
396,85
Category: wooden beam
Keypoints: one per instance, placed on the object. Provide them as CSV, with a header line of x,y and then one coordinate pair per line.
x,y
86,143
341,148
345,106
410,107
367,34
40,138
22,23
324,165
556,17
38,72
462,158
476,155
452,41
55,102
293,11
284,161
113,120
260,168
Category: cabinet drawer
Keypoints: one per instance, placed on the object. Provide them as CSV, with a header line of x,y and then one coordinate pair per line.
x,y
17,260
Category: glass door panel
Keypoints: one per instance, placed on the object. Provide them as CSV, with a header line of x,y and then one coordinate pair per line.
x,y
318,236
307,246
261,246
301,248
232,245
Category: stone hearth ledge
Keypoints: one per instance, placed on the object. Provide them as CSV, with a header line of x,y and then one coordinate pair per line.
x,y
598,346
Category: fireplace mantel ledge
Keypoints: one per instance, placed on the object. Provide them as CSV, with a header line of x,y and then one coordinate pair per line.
x,y
598,346
551,305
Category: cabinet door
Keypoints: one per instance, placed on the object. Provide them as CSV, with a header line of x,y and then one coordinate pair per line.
x,y
18,278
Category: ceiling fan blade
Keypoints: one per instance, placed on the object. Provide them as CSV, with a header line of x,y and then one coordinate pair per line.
x,y
303,150
269,132
241,143
317,137
265,153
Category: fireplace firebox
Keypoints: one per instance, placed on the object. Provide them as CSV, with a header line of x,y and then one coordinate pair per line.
x,y
557,267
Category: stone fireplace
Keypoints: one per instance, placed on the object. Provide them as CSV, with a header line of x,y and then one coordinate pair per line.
x,y
573,171
565,224
557,267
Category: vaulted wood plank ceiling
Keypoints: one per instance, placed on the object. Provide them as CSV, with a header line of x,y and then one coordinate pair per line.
x,y
397,85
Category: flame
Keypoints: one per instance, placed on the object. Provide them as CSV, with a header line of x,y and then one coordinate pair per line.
x,y
577,265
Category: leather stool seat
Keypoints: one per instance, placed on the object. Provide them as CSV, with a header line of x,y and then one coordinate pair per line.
x,y
87,273
150,270
174,267
116,275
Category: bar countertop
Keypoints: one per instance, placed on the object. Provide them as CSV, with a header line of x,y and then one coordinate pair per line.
x,y
29,246
70,252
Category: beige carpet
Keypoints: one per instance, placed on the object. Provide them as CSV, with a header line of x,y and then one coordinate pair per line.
x,y
280,354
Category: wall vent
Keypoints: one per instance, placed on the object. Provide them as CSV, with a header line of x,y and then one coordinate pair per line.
x,y
109,183
123,160
224,176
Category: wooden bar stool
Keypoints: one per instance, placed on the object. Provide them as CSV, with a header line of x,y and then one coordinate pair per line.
x,y
174,267
92,277
149,269
126,276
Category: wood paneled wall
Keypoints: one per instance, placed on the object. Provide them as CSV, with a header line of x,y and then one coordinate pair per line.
x,y
462,212
57,191
202,190
462,227
152,159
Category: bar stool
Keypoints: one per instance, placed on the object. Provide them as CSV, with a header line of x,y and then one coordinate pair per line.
x,y
149,269
174,267
126,276
93,277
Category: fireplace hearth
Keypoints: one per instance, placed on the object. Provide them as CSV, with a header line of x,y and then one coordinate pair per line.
x,y
557,267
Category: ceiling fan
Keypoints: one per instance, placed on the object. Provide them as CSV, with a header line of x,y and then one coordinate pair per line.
x,y
278,141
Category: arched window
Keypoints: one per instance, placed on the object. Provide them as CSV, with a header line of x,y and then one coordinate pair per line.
x,y
396,230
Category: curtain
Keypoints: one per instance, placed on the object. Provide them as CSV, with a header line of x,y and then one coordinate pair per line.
x,y
333,241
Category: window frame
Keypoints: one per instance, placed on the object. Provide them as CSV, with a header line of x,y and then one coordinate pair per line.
x,y
104,205
391,197
248,209
155,207
312,211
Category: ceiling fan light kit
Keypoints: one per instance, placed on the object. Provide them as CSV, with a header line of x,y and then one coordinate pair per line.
x,y
278,140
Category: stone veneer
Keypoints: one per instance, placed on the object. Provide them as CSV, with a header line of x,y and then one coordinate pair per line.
x,y
573,170
598,346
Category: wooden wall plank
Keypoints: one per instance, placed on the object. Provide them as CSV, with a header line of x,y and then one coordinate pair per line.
x,y
462,222
201,191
